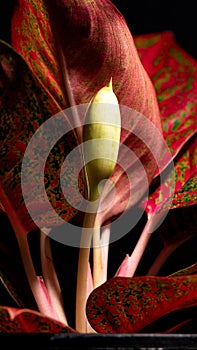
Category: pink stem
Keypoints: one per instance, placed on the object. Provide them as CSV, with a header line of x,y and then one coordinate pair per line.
x,y
50,277
36,284
130,263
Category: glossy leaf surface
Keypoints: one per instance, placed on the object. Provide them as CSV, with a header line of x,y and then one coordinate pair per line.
x,y
131,305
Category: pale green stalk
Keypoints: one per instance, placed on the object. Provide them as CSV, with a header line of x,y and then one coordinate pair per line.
x,y
101,138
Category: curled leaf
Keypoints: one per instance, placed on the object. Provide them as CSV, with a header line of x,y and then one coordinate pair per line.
x,y
27,321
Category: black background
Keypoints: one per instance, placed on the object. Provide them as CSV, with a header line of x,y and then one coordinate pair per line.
x,y
154,15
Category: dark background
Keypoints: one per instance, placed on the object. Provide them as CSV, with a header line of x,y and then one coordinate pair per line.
x,y
154,15
142,17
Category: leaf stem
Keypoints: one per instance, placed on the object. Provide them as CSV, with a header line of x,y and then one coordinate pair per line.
x,y
84,274
50,276
36,284
130,263
100,255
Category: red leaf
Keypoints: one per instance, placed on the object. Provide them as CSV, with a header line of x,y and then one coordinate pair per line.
x,y
131,305
88,42
32,38
173,72
174,75
93,43
28,321
25,105
180,225
187,195
185,168
168,66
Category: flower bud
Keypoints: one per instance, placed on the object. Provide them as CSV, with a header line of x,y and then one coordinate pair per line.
x,y
101,137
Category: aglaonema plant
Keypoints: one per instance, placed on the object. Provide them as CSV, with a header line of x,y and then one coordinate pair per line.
x,y
62,90
66,53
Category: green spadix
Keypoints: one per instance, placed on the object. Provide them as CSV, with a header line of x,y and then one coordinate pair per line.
x,y
101,138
